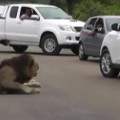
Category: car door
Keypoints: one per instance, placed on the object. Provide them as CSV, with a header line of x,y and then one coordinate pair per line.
x,y
97,38
88,36
21,31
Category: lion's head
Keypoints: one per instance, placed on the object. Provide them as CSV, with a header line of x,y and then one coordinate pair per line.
x,y
24,65
31,68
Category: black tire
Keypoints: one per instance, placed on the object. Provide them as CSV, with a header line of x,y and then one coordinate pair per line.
x,y
19,48
106,65
49,45
81,52
74,49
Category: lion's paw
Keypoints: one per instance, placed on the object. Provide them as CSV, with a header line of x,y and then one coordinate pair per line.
x,y
33,83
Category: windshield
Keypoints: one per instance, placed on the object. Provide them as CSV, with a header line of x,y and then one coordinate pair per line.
x,y
53,13
110,21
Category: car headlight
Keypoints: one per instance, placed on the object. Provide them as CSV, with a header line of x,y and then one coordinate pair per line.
x,y
66,28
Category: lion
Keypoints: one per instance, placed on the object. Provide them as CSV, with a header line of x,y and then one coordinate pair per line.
x,y
16,74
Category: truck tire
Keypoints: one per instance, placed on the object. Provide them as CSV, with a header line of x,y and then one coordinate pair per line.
x,y
19,48
49,45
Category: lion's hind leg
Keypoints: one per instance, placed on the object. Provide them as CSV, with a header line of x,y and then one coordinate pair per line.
x,y
7,77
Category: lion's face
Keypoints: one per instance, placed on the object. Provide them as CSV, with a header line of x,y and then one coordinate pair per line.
x,y
32,69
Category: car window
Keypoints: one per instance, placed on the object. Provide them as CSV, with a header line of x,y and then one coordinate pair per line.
x,y
91,24
110,21
53,13
100,26
13,12
24,13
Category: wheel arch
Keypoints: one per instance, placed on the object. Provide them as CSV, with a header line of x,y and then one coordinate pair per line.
x,y
113,71
44,34
81,42
104,49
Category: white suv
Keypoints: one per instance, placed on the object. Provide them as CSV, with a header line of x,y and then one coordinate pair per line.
x,y
110,53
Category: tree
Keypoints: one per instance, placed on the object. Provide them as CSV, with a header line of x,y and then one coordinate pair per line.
x,y
59,3
87,9
43,1
70,5
67,5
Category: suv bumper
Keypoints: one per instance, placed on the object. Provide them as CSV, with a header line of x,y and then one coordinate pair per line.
x,y
68,38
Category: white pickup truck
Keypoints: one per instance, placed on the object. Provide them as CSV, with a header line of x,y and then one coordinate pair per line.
x,y
49,27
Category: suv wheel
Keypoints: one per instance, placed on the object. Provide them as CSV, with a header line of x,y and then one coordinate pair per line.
x,y
82,55
19,48
50,45
106,65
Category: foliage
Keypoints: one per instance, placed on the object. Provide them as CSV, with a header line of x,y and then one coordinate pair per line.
x,y
67,5
59,3
112,10
81,9
89,8
70,5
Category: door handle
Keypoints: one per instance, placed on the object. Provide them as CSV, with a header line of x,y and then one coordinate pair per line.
x,y
19,22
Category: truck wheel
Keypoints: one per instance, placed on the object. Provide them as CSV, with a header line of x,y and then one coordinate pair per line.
x,y
50,45
74,49
82,55
19,48
106,65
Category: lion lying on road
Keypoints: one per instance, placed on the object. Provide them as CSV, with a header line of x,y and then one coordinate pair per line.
x,y
16,75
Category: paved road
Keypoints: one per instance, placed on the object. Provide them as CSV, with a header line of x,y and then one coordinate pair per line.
x,y
71,90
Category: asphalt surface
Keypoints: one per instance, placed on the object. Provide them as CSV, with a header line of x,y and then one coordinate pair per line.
x,y
71,90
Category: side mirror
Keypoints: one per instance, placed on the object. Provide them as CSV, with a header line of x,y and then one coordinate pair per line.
x,y
35,17
115,27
